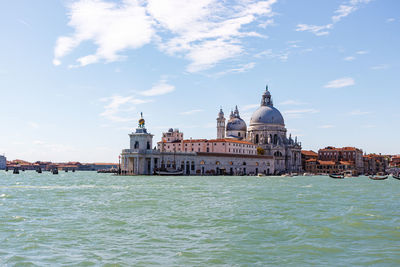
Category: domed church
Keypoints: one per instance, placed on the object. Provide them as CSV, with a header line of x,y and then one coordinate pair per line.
x,y
266,130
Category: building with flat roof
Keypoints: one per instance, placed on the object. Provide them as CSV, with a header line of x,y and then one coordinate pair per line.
x,y
3,162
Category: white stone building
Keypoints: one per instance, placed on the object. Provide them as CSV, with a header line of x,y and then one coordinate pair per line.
x,y
267,131
140,159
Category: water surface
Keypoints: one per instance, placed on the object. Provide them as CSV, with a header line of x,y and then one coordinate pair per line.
x,y
86,219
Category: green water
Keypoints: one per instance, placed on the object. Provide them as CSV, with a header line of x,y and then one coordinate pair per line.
x,y
85,219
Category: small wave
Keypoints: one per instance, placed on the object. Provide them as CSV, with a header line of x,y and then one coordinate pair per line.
x,y
4,196
307,186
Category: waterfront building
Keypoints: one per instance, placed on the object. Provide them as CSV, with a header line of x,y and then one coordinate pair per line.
x,y
345,157
309,161
3,162
395,161
267,131
261,147
172,141
374,163
193,157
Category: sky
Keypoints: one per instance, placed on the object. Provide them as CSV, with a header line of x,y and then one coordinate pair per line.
x,y
75,75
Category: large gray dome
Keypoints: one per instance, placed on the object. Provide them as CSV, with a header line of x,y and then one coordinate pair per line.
x,y
236,124
267,115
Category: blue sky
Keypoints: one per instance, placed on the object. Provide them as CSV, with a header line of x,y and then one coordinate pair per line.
x,y
75,75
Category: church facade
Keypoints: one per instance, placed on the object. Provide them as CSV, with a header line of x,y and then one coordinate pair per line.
x,y
263,147
266,130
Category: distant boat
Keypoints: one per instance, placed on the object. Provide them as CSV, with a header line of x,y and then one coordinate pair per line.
x,y
396,176
15,171
378,177
39,170
73,170
66,170
6,169
336,176
55,171
169,172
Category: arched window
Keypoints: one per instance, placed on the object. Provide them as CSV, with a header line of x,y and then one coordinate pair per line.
x,y
244,163
148,145
275,139
136,145
239,134
192,166
257,138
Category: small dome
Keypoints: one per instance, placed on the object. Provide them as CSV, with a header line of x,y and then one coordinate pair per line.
x,y
267,115
236,124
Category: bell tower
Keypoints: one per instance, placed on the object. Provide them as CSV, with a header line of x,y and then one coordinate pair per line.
x,y
220,125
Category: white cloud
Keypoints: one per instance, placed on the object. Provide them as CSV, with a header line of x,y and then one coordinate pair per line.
x,y
33,125
38,142
282,56
190,112
317,30
292,102
341,12
358,112
204,32
328,126
239,69
161,88
362,52
299,113
380,67
339,83
250,106
117,104
350,58
390,20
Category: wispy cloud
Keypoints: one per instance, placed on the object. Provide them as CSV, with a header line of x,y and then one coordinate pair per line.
x,y
239,69
282,55
362,52
250,106
292,102
161,88
339,83
33,125
117,104
204,32
299,113
327,126
341,12
390,20
349,58
358,112
380,67
190,112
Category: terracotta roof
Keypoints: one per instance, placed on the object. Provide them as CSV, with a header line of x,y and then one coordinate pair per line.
x,y
309,153
311,160
208,154
326,162
230,141
346,163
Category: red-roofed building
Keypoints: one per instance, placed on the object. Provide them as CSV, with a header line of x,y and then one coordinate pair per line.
x,y
348,158
173,141
374,163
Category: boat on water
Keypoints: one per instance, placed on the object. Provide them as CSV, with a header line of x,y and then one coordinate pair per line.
x,y
55,171
336,176
39,170
396,176
16,171
168,172
378,177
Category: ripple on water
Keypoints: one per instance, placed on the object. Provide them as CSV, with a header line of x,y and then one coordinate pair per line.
x,y
88,219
